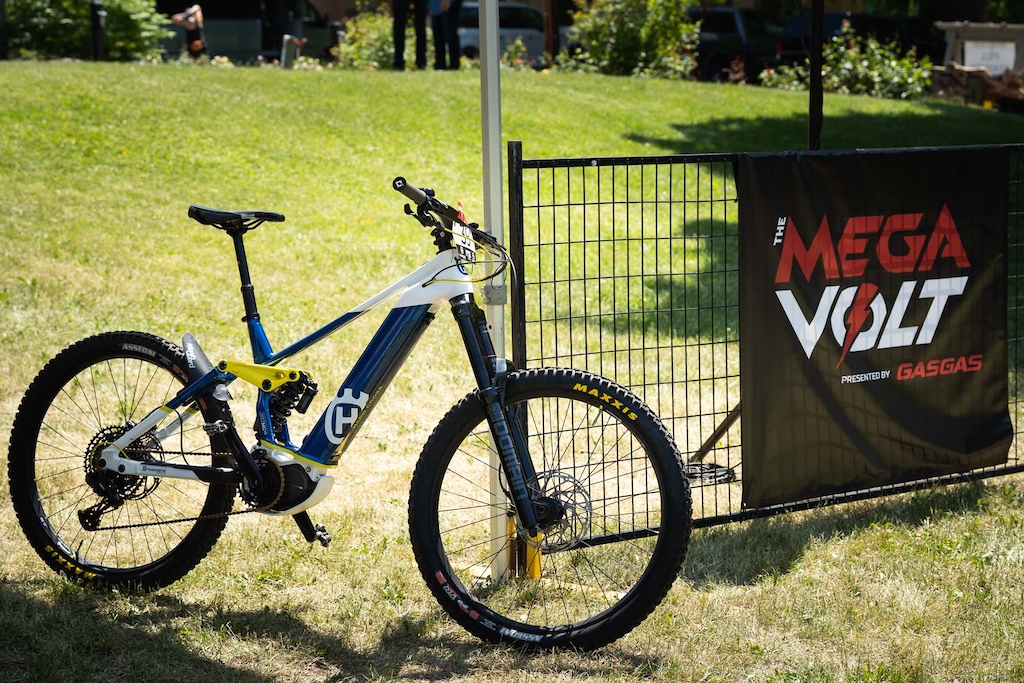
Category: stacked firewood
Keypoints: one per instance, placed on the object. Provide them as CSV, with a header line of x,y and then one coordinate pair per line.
x,y
975,84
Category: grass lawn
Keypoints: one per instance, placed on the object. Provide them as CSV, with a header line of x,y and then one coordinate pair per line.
x,y
98,164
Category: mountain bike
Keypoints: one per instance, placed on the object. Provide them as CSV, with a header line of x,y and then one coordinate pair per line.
x,y
547,508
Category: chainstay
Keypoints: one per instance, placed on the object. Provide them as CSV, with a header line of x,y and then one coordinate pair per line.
x,y
198,518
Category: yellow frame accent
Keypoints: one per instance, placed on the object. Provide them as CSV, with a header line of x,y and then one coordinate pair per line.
x,y
295,454
266,377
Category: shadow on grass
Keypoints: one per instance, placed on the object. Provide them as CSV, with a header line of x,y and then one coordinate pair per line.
x,y
936,124
91,635
746,553
72,639
410,649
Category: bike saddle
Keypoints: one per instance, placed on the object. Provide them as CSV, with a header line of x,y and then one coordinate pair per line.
x,y
232,219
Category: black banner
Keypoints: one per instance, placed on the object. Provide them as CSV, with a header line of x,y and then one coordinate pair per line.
x,y
872,319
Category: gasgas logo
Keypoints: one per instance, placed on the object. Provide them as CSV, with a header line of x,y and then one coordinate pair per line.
x,y
861,316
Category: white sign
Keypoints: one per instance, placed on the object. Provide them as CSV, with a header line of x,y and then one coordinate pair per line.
x,y
996,56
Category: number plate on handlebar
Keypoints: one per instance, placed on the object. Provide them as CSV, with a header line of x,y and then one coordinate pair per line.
x,y
462,239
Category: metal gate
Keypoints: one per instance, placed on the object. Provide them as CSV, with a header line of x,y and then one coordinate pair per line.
x,y
629,267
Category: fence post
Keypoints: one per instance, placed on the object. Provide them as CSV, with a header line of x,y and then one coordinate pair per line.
x,y
515,243
287,51
815,119
337,37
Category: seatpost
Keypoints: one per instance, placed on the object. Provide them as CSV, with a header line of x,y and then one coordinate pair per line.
x,y
248,293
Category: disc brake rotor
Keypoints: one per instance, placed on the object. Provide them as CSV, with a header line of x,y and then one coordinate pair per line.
x,y
573,523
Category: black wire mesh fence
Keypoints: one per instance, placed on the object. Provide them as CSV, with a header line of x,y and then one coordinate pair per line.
x,y
629,267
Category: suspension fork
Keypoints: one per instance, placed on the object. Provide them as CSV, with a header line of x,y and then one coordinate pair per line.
x,y
507,430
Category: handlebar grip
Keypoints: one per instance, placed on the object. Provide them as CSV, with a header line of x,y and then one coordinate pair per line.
x,y
414,193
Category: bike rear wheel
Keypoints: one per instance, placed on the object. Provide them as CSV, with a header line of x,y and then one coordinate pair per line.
x,y
96,525
605,560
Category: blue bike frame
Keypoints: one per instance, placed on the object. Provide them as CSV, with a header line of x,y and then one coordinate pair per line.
x,y
441,280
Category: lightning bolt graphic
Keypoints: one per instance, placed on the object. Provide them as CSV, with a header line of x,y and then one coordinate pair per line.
x,y
858,314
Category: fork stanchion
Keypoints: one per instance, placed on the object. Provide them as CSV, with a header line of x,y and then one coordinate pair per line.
x,y
533,556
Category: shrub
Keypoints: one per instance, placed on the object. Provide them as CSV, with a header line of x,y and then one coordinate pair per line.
x,y
369,42
637,37
514,58
63,28
854,65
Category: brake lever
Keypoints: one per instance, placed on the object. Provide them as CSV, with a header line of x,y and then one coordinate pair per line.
x,y
425,219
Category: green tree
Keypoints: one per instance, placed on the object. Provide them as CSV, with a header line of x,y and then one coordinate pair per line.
x,y
63,28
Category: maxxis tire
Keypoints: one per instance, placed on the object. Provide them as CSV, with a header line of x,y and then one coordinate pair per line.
x,y
115,377
595,447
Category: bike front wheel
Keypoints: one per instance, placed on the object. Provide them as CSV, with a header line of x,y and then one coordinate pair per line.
x,y
100,526
606,556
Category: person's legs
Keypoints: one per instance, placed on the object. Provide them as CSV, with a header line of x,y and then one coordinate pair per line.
x,y
439,26
400,10
452,33
419,8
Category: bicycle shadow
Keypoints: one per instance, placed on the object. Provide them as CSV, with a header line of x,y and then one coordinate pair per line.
x,y
70,639
85,634
411,649
746,553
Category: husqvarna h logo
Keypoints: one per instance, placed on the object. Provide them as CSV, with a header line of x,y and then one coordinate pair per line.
x,y
342,413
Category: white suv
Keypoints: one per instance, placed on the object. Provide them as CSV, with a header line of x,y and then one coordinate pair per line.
x,y
515,20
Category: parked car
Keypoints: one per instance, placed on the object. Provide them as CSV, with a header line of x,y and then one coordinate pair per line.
x,y
515,20
730,33
904,31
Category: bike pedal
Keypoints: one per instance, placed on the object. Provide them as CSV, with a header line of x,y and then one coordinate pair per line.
x,y
309,531
322,535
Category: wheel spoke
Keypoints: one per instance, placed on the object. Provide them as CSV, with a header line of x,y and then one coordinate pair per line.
x,y
121,528
603,473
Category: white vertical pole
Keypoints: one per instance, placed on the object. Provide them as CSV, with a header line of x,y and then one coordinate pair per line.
x,y
490,110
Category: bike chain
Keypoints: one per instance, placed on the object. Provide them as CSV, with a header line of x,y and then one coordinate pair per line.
x,y
200,518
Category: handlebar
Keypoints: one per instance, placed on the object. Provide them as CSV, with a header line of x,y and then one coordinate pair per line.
x,y
414,193
429,209
425,200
